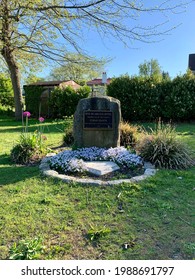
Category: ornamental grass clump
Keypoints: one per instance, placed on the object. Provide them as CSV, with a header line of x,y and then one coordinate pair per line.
x,y
128,134
164,149
31,146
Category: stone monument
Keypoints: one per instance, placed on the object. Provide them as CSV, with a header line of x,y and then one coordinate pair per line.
x,y
96,122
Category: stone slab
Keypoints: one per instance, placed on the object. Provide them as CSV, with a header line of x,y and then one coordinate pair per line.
x,y
97,122
92,182
99,168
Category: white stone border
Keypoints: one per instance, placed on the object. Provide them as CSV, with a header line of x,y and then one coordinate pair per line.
x,y
45,169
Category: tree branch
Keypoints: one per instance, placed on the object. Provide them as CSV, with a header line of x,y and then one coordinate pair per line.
x,y
52,7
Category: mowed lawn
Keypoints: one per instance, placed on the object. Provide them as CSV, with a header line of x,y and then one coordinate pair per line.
x,y
156,217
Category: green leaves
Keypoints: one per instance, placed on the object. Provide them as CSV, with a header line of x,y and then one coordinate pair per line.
x,y
30,148
78,67
63,102
138,96
164,150
26,250
6,91
148,99
95,233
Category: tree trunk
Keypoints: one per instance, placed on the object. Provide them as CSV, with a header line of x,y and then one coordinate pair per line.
x,y
18,100
7,52
15,78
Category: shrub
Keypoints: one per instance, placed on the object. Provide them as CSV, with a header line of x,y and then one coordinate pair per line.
x,y
137,96
128,134
68,138
6,111
33,98
164,150
180,100
6,92
146,99
84,91
30,147
63,102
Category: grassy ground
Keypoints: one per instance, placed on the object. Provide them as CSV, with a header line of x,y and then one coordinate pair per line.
x,y
156,217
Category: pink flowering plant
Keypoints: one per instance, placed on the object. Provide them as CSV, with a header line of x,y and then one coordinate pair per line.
x,y
41,119
25,115
31,146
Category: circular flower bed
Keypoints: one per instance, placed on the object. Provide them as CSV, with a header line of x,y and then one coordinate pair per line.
x,y
73,161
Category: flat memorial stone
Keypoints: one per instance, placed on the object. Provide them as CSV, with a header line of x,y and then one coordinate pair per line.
x,y
101,167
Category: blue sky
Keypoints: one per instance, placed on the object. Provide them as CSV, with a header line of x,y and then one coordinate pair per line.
x,y
172,52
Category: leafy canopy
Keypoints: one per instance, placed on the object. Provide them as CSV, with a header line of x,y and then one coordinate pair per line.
x,y
150,69
78,67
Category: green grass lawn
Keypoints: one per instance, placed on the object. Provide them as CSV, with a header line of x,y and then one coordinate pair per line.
x,y
156,217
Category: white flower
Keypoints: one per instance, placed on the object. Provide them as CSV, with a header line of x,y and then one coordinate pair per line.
x,y
74,161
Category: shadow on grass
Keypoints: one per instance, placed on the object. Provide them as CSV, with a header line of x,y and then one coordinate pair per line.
x,y
47,128
5,159
11,173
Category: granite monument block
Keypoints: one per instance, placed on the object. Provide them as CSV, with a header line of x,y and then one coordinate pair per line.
x,y
96,122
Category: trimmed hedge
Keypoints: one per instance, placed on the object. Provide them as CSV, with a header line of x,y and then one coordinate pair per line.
x,y
63,102
33,99
145,99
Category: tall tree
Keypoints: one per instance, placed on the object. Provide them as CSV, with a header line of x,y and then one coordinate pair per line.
x,y
78,67
35,27
32,78
150,69
166,76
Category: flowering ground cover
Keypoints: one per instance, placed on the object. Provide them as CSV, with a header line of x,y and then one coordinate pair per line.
x,y
73,161
154,218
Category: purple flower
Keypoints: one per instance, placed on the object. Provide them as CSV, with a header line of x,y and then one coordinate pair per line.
x,y
74,161
41,119
26,114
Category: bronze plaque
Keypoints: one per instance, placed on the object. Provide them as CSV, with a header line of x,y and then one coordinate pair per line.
x,y
97,119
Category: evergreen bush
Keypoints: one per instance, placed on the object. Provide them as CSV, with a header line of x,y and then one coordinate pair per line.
x,y
6,92
63,102
33,99
147,99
